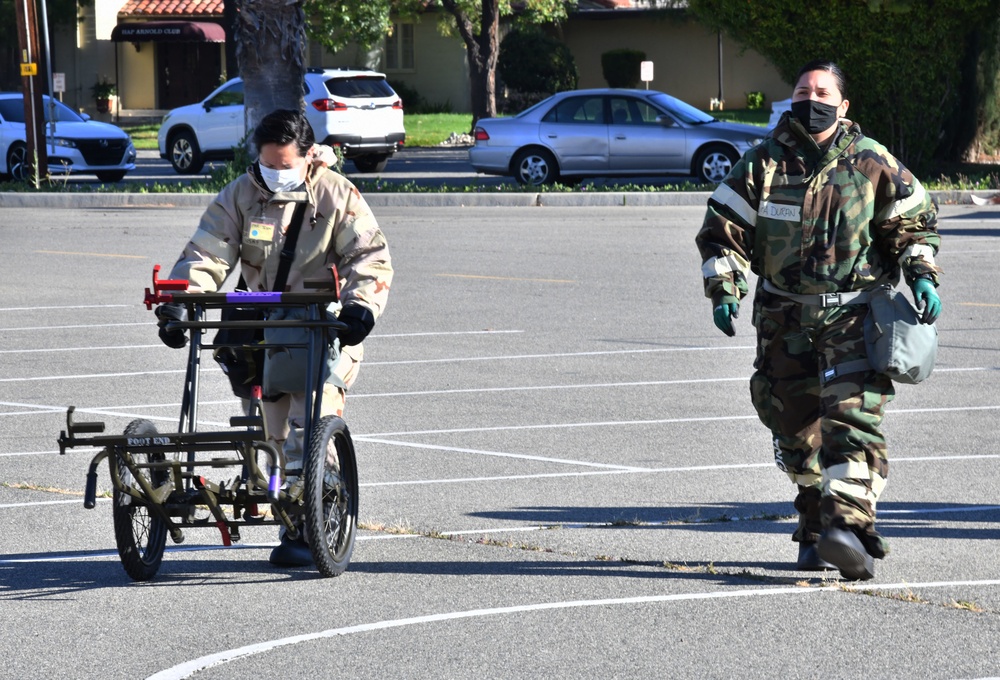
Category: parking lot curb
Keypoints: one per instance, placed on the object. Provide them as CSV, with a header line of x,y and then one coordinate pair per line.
x,y
415,200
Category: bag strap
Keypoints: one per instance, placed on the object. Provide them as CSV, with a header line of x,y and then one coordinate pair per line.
x,y
288,251
855,366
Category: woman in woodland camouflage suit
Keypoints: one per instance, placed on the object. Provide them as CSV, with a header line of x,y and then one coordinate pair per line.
x,y
820,213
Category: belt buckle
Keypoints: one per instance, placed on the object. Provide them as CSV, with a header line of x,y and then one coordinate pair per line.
x,y
829,300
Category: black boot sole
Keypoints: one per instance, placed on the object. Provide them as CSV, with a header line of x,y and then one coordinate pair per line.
x,y
809,559
843,549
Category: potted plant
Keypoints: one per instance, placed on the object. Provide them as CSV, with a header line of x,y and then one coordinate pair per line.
x,y
103,90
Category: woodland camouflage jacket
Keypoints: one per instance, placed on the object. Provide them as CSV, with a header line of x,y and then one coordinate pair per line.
x,y
846,218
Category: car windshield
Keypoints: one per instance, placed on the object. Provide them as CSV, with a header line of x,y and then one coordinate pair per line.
x,y
683,112
362,86
12,110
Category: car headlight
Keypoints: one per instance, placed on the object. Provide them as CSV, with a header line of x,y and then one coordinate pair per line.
x,y
60,141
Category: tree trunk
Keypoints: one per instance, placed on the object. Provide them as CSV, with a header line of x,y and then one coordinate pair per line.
x,y
270,49
482,49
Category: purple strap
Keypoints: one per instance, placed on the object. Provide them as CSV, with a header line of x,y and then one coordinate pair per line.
x,y
241,297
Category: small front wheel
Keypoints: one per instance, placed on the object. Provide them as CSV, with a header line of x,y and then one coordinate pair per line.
x,y
140,534
331,496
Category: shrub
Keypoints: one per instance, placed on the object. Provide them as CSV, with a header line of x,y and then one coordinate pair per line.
x,y
531,61
755,100
621,68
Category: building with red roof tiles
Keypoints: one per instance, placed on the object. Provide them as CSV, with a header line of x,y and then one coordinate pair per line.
x,y
156,71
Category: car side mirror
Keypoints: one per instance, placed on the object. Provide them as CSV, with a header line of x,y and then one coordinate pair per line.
x,y
85,116
665,121
207,106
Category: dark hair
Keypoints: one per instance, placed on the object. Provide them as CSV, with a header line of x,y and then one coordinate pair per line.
x,y
282,127
825,65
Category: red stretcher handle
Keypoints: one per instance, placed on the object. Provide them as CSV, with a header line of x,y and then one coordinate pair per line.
x,y
156,296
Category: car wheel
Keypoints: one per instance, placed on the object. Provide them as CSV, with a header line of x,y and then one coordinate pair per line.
x,y
185,155
111,175
534,167
373,163
17,162
713,163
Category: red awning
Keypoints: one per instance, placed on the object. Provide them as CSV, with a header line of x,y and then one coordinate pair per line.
x,y
168,31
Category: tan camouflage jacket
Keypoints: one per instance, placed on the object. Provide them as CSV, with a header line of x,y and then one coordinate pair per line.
x,y
810,220
338,229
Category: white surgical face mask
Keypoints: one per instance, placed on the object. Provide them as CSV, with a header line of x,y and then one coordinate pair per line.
x,y
281,180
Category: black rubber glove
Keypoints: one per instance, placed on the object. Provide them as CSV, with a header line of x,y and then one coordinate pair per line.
x,y
172,312
360,322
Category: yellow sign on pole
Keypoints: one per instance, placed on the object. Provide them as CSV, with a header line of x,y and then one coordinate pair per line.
x,y
30,69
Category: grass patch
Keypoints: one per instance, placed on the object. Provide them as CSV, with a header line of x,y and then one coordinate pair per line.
x,y
143,136
430,129
746,116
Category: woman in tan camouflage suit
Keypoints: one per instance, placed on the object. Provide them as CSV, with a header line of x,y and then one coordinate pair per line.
x,y
820,213
246,224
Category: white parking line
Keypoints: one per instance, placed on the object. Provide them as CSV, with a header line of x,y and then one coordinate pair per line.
x,y
38,309
79,349
90,325
500,454
626,423
189,668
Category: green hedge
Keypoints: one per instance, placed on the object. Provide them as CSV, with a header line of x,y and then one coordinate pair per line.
x,y
911,65
621,68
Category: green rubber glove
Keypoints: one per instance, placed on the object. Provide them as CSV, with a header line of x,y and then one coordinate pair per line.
x,y
924,292
724,313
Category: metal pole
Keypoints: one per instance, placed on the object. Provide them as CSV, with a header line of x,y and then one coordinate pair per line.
x,y
48,74
721,97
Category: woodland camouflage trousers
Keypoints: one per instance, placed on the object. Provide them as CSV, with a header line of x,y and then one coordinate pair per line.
x,y
826,434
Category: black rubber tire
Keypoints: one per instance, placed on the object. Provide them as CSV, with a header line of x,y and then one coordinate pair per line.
x,y
184,153
17,157
140,534
713,163
111,175
373,163
534,166
331,496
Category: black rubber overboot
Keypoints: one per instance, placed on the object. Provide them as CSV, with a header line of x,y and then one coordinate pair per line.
x,y
841,547
807,502
837,513
874,543
808,531
291,553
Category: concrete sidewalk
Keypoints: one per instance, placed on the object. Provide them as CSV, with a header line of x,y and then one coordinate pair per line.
x,y
416,200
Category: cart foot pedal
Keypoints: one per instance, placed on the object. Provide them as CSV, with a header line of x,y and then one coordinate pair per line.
x,y
224,530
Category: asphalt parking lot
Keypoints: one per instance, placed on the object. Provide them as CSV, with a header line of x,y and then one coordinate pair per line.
x,y
561,472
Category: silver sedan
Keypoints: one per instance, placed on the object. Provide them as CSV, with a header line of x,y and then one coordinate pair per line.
x,y
609,133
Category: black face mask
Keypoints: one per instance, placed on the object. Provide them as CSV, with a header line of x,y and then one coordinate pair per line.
x,y
815,116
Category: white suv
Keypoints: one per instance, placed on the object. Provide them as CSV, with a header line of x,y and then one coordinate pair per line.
x,y
355,110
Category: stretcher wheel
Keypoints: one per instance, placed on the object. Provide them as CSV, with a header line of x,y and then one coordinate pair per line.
x,y
331,496
140,534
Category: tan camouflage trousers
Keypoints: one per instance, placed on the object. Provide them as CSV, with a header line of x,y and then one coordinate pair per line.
x,y
285,417
826,435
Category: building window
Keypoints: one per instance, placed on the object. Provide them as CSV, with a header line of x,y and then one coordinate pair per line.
x,y
399,48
